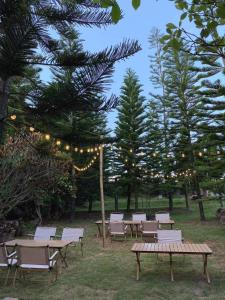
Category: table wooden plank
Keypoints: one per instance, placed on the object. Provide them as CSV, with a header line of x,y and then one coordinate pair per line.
x,y
177,248
36,243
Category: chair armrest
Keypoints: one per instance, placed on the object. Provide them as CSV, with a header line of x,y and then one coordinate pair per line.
x,y
31,235
11,254
54,255
58,236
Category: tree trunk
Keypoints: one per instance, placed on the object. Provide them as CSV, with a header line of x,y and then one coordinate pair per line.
x,y
90,202
4,96
170,197
116,202
186,196
116,198
199,199
128,196
136,199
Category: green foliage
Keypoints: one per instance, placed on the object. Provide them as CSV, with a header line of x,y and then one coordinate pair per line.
x,y
129,131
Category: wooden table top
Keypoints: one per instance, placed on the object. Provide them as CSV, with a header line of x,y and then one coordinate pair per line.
x,y
35,243
178,248
131,222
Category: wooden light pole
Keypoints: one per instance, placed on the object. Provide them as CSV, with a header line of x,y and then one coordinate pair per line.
x,y
102,194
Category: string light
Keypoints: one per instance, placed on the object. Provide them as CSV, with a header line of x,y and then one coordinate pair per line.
x,y
67,147
47,137
200,154
31,129
58,142
13,117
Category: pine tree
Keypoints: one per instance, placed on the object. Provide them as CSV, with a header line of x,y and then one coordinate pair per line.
x,y
129,132
162,106
186,114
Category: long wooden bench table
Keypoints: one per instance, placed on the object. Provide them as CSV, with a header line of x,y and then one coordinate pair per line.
x,y
131,223
53,244
176,248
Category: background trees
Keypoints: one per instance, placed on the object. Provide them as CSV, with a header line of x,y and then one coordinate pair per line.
x,y
129,132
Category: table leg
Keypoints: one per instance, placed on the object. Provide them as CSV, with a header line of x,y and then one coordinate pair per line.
x,y
131,230
138,264
171,267
136,231
63,257
99,230
205,257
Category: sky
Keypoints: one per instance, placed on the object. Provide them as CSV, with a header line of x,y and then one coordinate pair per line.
x,y
136,25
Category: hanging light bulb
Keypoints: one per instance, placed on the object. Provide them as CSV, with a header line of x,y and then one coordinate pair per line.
x,y
31,129
47,137
13,117
76,149
183,155
58,142
81,151
200,153
67,147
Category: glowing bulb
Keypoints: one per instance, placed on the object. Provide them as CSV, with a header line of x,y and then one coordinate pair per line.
x,y
47,137
67,147
183,155
13,117
81,151
76,149
200,153
31,129
58,143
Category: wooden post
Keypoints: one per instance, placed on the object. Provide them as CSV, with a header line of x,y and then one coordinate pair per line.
x,y
102,195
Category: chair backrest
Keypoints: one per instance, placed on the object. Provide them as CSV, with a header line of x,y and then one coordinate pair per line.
x,y
3,255
169,236
117,227
38,255
139,217
149,225
44,233
116,217
162,217
73,234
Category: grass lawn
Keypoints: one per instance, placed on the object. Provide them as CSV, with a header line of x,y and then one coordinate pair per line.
x,y
111,273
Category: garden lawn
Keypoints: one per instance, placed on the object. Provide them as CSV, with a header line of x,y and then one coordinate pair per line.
x,y
110,273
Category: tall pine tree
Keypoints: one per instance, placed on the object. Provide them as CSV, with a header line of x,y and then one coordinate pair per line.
x,y
129,132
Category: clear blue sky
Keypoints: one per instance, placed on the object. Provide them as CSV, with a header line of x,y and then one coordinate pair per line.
x,y
136,24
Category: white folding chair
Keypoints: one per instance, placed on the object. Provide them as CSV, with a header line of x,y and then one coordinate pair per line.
x,y
74,234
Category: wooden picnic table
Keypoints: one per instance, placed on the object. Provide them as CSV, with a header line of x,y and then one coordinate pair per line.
x,y
175,248
53,244
132,223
